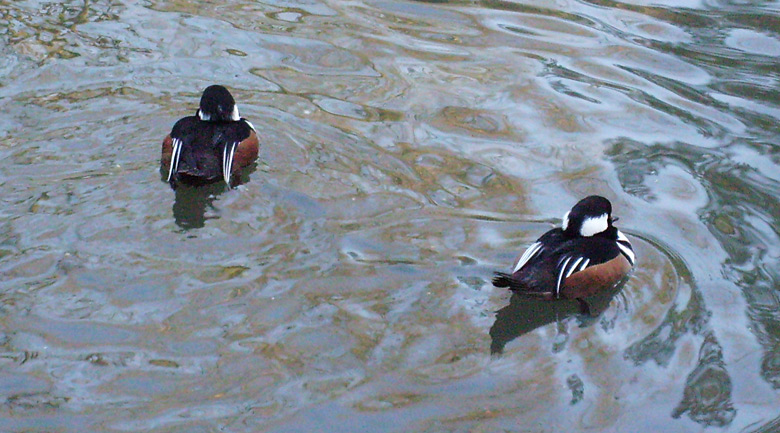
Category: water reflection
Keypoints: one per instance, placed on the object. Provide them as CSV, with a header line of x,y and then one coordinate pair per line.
x,y
707,396
772,426
192,202
765,314
193,205
523,315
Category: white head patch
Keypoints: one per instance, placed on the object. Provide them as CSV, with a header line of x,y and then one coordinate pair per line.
x,y
203,116
565,223
591,226
234,116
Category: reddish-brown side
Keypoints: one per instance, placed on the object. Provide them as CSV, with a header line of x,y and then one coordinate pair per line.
x,y
167,151
246,152
595,278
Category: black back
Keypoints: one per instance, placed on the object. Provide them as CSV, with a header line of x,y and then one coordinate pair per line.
x,y
597,249
203,144
541,274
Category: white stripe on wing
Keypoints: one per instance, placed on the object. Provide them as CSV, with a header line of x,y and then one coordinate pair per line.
x,y
175,154
529,253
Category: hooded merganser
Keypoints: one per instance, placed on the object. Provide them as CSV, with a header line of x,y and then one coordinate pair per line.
x,y
214,143
583,257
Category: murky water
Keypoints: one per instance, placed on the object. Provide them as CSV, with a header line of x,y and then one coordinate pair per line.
x,y
408,150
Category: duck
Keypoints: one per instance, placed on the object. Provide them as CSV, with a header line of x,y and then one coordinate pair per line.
x,y
214,144
583,257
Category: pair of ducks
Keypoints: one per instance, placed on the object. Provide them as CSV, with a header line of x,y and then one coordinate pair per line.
x,y
583,257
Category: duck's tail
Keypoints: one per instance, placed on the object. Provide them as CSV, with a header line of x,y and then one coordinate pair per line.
x,y
502,279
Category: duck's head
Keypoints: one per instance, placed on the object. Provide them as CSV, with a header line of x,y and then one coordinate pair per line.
x,y
591,216
217,105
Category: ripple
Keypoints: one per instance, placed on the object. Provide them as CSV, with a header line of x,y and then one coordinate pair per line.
x,y
409,149
753,42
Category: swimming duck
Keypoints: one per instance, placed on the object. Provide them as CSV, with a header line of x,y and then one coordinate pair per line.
x,y
583,257
214,143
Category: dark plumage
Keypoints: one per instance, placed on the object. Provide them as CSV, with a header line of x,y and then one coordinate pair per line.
x,y
213,144
583,257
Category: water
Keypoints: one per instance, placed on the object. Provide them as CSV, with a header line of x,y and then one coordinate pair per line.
x,y
409,149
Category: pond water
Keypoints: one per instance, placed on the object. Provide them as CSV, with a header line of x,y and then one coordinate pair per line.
x,y
409,150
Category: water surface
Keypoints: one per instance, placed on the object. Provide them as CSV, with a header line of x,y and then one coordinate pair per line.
x,y
409,149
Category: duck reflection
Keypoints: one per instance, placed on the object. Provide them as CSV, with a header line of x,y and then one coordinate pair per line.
x,y
524,314
193,204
